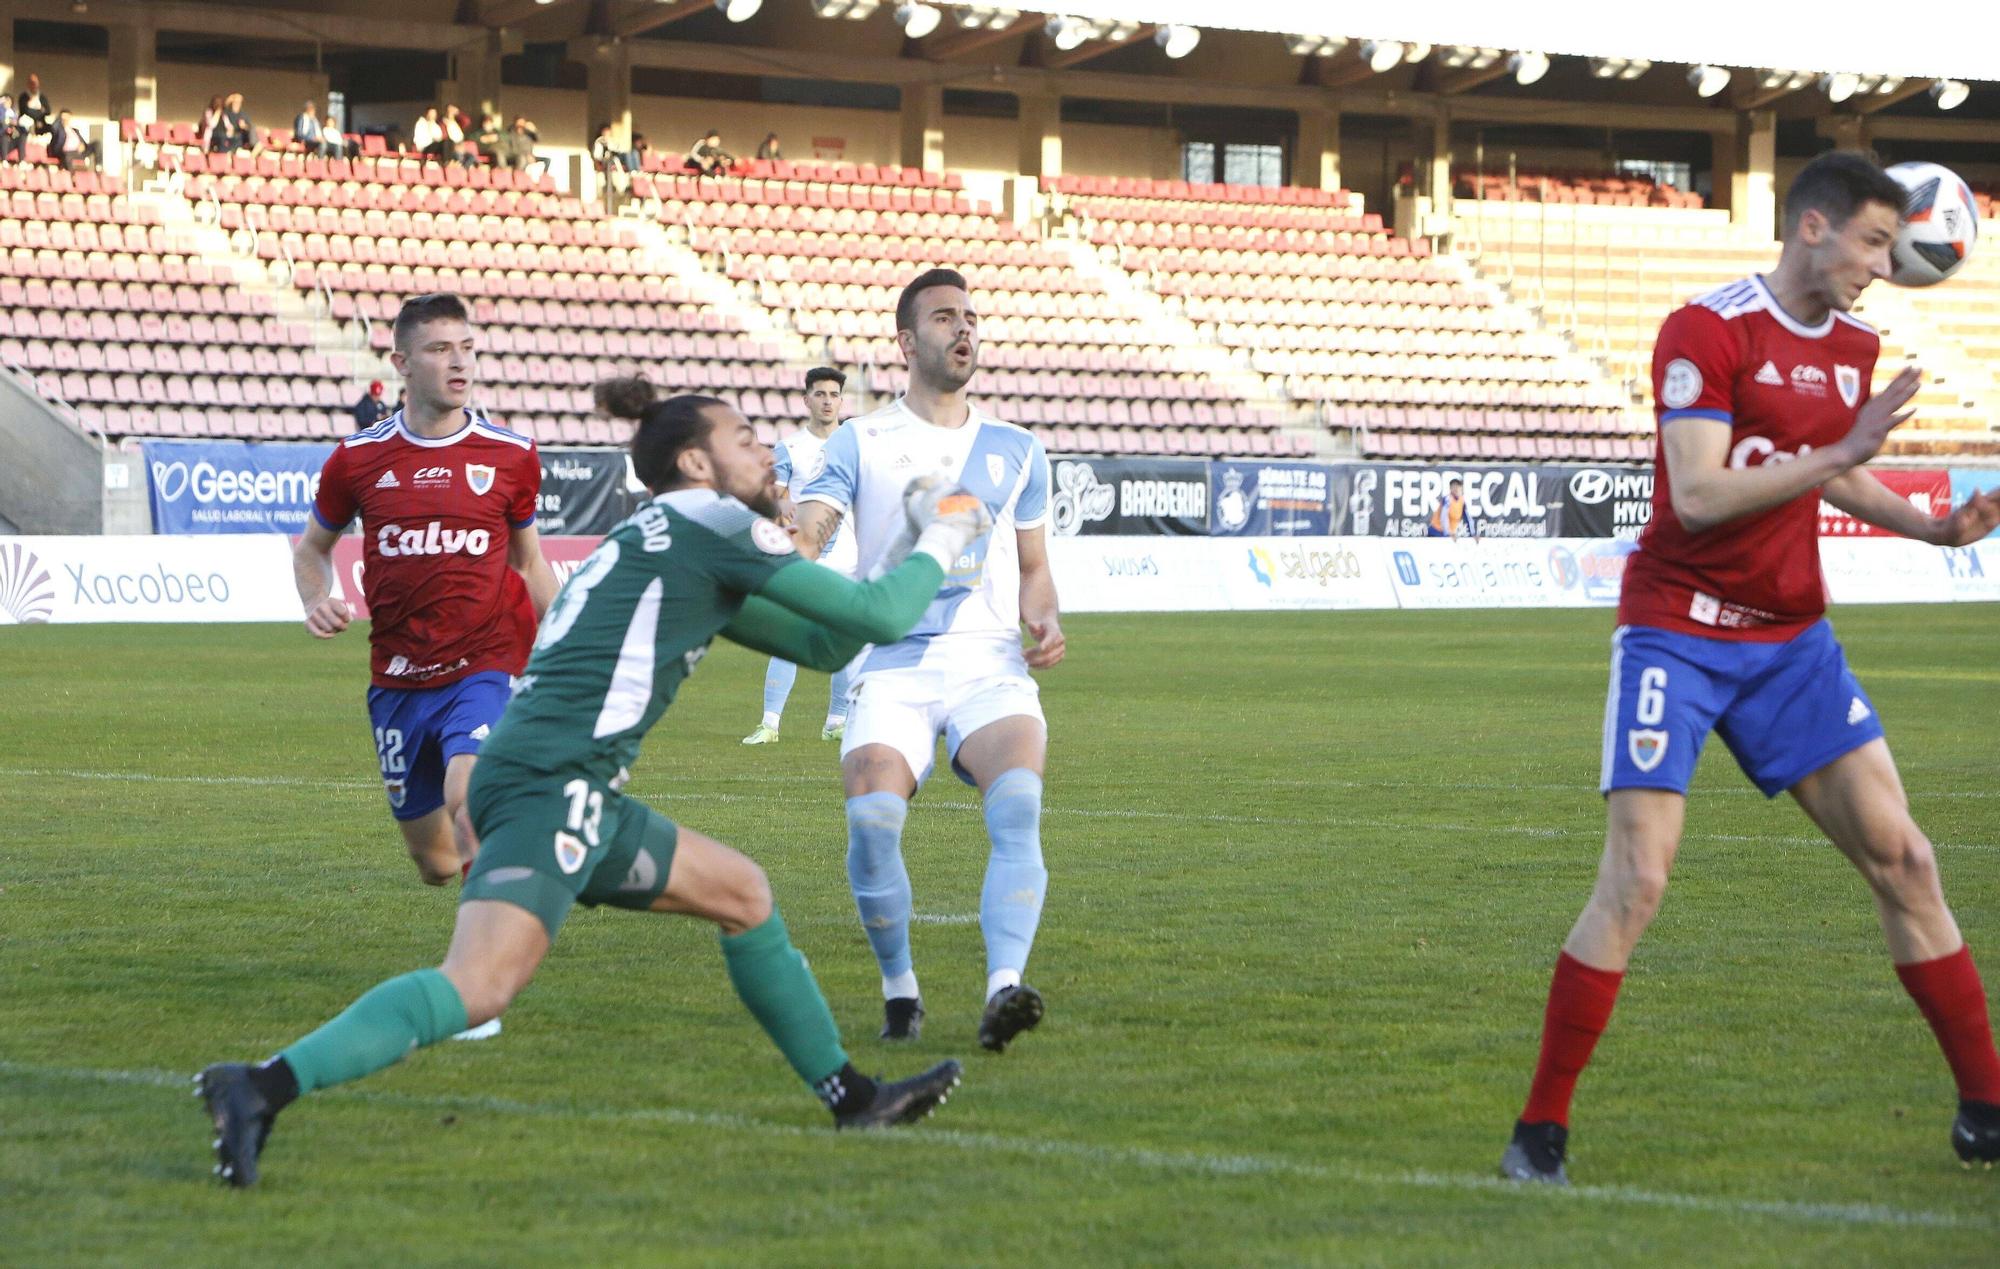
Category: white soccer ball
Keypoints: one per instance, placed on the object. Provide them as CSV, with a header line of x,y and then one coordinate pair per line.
x,y
1940,225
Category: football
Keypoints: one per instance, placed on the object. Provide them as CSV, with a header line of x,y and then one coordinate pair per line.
x,y
1940,225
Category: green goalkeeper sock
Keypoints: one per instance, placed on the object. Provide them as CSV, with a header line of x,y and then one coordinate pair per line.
x,y
771,978
378,1030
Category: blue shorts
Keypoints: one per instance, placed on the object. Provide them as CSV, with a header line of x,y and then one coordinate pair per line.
x,y
419,730
1784,709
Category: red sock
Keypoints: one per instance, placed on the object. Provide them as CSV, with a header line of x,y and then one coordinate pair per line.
x,y
1948,992
1580,1001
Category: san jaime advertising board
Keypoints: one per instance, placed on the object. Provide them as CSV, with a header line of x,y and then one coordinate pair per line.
x,y
1552,573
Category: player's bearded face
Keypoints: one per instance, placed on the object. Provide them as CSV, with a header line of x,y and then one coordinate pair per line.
x,y
745,468
946,341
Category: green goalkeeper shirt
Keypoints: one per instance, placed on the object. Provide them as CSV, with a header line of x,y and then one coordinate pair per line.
x,y
637,616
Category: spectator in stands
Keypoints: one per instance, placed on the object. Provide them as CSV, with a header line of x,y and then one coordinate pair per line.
x,y
604,152
455,124
640,149
707,156
37,116
493,140
315,136
372,408
427,135
769,147
210,131
524,135
13,137
70,148
242,135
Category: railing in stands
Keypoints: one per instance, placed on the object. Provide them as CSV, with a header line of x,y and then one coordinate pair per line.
x,y
35,388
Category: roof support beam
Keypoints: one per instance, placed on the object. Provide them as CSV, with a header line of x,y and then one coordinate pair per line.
x,y
1121,86
941,48
1882,101
650,17
1093,49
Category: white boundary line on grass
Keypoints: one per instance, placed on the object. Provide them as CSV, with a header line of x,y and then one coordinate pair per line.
x,y
1334,820
1192,1163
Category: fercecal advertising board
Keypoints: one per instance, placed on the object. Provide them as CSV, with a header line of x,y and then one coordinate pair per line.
x,y
1396,500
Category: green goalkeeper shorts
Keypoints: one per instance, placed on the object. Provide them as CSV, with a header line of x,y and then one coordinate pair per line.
x,y
549,841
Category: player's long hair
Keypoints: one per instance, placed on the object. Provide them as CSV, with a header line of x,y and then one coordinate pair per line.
x,y
665,428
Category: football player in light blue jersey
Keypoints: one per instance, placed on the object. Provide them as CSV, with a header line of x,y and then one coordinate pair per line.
x,y
800,458
962,672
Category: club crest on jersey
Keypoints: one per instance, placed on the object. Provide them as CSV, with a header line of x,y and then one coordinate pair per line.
x,y
770,539
479,479
996,467
1647,746
1848,380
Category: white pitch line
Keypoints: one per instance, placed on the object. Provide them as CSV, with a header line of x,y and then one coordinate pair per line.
x,y
1333,820
1191,1163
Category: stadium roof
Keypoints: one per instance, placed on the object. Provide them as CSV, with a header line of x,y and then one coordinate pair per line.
x,y
1867,41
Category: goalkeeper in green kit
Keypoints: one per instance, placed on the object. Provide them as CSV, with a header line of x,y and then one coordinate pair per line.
x,y
700,559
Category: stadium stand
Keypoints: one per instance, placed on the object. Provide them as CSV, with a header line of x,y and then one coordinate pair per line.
x,y
1577,188
565,296
134,330
1606,275
1409,352
828,247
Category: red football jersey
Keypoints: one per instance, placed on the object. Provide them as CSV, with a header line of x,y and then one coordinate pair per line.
x,y
1784,388
437,516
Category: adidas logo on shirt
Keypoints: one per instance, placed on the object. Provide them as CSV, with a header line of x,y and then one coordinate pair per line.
x,y
388,481
1856,711
1769,374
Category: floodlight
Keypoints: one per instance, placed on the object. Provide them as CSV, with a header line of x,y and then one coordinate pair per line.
x,y
1950,94
1527,68
1382,55
917,20
1708,80
1177,41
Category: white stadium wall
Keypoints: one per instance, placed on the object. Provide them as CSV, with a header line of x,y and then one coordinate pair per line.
x,y
248,577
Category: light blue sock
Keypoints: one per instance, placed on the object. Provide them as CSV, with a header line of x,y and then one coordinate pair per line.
x,y
1010,903
778,680
875,871
836,696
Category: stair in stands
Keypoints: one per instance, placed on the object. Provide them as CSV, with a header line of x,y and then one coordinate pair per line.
x,y
675,259
235,254
1167,327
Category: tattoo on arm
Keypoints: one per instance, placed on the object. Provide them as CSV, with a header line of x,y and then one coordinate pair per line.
x,y
822,531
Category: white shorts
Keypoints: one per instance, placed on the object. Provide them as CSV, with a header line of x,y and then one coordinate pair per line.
x,y
905,709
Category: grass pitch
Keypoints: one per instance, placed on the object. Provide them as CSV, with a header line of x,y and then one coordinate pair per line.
x,y
1309,875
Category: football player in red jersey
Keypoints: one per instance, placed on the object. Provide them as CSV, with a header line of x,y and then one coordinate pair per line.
x,y
1763,407
455,575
